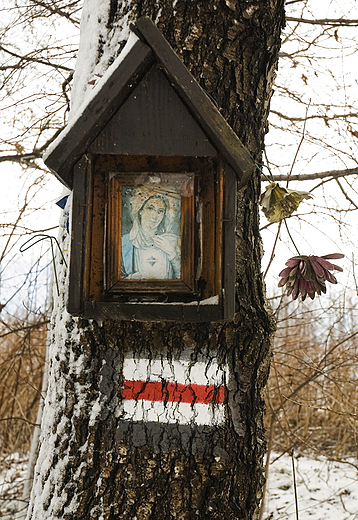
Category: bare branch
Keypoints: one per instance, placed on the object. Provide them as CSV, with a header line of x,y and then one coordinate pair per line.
x,y
346,194
64,85
334,174
35,154
21,158
31,59
19,419
25,327
325,21
56,10
317,371
314,116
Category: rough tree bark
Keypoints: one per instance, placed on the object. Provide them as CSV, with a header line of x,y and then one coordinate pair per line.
x,y
93,464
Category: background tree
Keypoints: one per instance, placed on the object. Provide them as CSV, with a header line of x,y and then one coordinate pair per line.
x,y
90,464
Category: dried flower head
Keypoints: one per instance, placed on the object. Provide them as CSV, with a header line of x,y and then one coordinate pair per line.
x,y
306,275
278,203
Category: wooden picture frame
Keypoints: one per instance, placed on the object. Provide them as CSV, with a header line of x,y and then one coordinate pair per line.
x,y
200,229
205,290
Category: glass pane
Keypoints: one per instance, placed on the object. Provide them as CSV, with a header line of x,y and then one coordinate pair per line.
x,y
151,229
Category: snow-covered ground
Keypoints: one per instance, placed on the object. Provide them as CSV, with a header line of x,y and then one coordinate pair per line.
x,y
326,490
12,479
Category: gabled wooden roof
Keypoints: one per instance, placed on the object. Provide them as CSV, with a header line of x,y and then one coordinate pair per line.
x,y
152,48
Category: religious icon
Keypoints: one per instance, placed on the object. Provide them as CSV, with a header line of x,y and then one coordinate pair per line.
x,y
151,232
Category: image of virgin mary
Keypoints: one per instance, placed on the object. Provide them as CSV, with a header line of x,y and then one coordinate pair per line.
x,y
150,250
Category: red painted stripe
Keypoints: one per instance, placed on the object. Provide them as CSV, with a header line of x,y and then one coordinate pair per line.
x,y
173,392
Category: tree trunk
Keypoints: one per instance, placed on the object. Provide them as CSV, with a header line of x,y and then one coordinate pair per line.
x,y
96,461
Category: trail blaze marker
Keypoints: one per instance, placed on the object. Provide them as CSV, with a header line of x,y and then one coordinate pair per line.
x,y
175,393
154,169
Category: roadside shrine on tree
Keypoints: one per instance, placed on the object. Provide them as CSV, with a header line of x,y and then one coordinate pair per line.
x,y
154,170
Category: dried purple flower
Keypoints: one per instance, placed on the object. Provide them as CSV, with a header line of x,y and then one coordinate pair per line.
x,y
306,275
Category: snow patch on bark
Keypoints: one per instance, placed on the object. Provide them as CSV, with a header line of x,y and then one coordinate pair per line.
x,y
49,493
99,45
95,412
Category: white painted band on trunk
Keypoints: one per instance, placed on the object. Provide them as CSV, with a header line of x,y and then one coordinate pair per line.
x,y
181,371
173,413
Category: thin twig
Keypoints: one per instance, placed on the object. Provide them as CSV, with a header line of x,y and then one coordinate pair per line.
x,y
354,274
264,175
25,327
346,194
273,248
39,238
294,483
299,144
2,419
317,371
289,234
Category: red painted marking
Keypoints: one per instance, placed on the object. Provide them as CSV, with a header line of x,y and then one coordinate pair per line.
x,y
173,392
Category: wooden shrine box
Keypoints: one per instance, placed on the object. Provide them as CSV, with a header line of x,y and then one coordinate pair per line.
x,y
154,170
